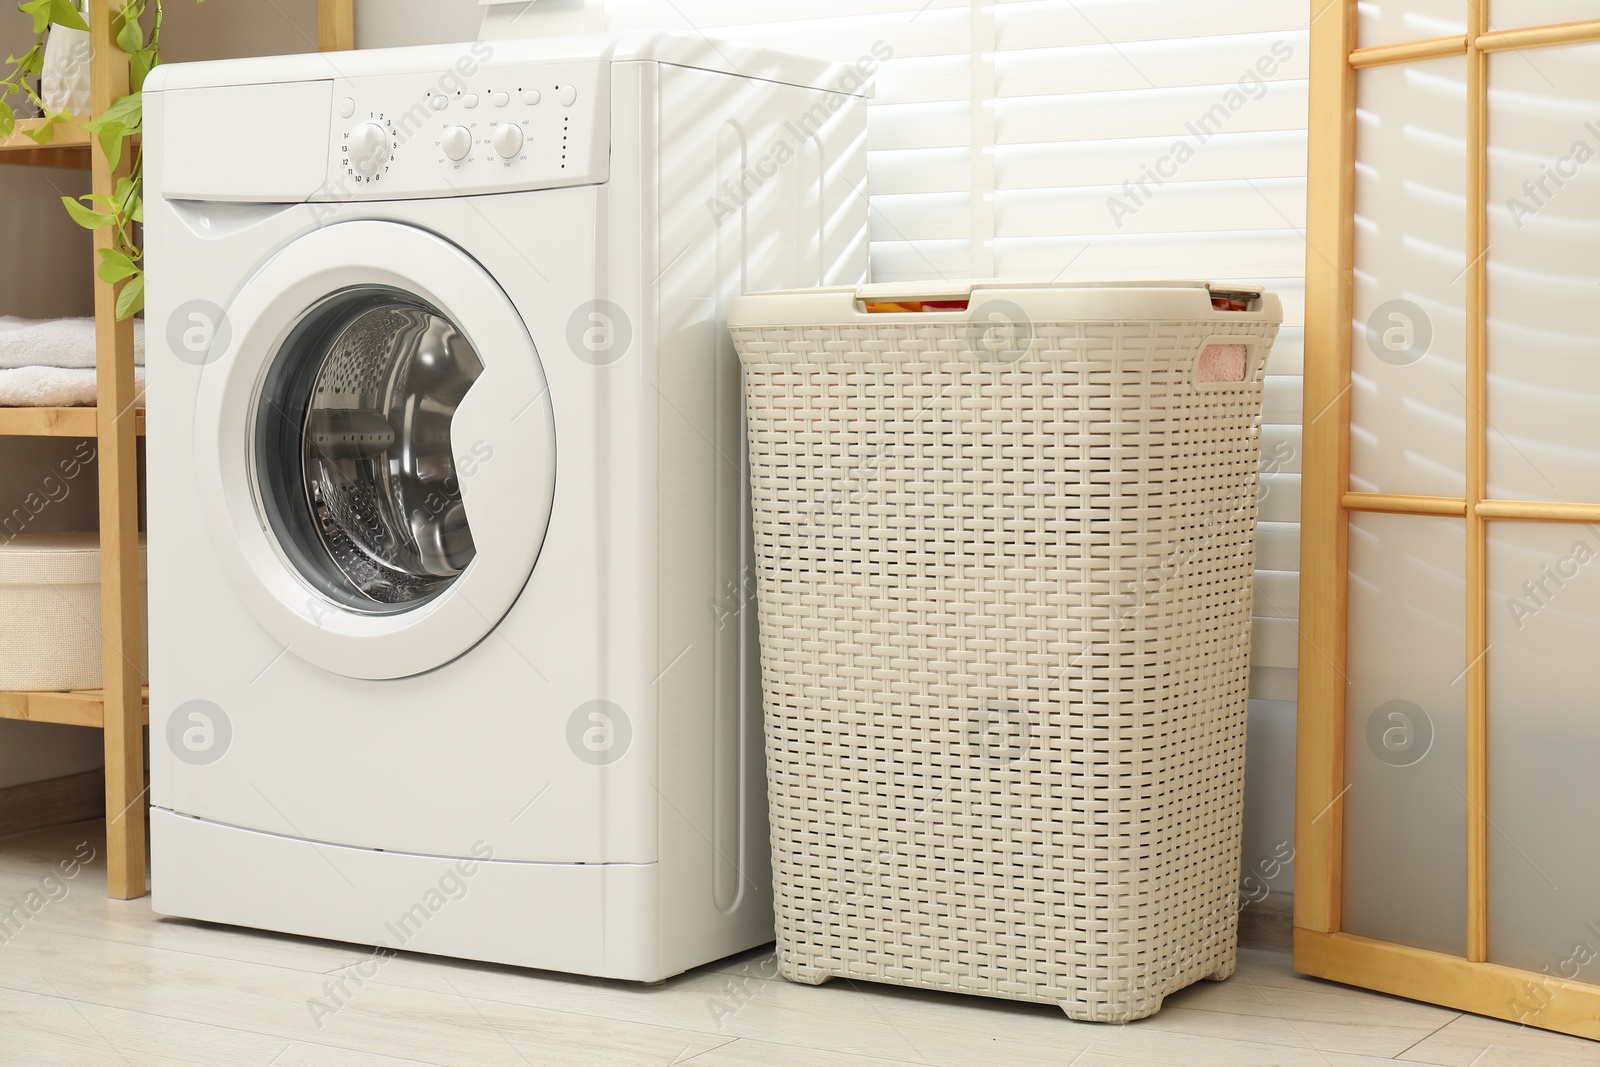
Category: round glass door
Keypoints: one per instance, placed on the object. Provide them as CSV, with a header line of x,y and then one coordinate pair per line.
x,y
354,463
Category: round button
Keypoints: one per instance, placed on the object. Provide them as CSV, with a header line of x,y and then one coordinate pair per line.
x,y
347,107
500,99
456,142
470,100
532,97
568,95
438,103
508,140
369,148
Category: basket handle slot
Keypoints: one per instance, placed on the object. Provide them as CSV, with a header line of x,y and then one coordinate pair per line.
x,y
902,307
1236,300
1228,360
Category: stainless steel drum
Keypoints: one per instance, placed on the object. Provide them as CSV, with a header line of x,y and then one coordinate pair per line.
x,y
355,422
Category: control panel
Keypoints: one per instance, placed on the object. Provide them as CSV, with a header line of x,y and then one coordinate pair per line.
x,y
472,129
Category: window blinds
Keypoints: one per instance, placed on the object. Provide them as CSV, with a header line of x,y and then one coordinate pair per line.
x,y
1088,139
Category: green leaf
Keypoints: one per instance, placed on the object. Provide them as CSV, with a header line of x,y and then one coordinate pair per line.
x,y
131,300
115,123
89,220
111,135
45,132
40,10
8,120
127,111
131,37
140,64
31,63
63,13
130,204
115,266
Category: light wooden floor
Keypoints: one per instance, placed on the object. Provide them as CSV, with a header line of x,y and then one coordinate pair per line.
x,y
89,981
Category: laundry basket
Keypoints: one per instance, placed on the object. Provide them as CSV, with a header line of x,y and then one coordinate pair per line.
x,y
1004,541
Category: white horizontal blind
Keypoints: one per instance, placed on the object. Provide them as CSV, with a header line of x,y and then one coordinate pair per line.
x,y
1081,139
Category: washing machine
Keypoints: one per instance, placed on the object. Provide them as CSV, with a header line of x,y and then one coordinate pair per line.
x,y
452,631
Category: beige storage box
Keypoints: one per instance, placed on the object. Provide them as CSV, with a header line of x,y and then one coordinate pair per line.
x,y
1004,541
50,613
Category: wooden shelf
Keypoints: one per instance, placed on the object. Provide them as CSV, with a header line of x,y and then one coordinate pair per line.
x,y
69,147
55,422
79,707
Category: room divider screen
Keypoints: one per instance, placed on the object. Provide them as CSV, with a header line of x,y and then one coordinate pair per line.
x,y
1449,745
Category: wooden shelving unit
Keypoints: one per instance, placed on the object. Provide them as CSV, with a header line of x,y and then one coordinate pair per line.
x,y
77,707
121,707
69,147
55,422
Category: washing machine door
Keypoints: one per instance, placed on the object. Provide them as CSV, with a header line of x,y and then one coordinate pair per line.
x,y
385,449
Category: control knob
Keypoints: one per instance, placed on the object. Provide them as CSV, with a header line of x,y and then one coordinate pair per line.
x,y
369,148
457,142
508,140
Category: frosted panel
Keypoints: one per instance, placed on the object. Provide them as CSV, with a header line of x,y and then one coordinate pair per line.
x,y
1395,21
1544,274
1544,749
1408,371
1504,14
1405,843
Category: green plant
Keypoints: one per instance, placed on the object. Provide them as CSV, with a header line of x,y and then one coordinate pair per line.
x,y
123,208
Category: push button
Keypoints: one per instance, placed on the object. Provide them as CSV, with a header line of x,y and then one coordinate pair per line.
x,y
568,95
500,99
532,97
470,100
438,103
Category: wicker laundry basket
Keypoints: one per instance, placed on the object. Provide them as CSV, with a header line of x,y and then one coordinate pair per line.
x,y
1004,540
50,612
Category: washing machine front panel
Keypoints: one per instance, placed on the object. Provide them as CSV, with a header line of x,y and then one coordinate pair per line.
x,y
481,748
384,458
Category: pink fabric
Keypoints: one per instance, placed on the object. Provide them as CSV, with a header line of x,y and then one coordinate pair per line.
x,y
1223,363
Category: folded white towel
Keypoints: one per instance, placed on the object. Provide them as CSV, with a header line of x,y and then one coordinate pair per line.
x,y
53,387
55,343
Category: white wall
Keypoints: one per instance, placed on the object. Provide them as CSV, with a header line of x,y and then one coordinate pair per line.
x,y
1269,795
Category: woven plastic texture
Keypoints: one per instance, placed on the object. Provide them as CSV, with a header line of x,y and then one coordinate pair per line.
x,y
1005,607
